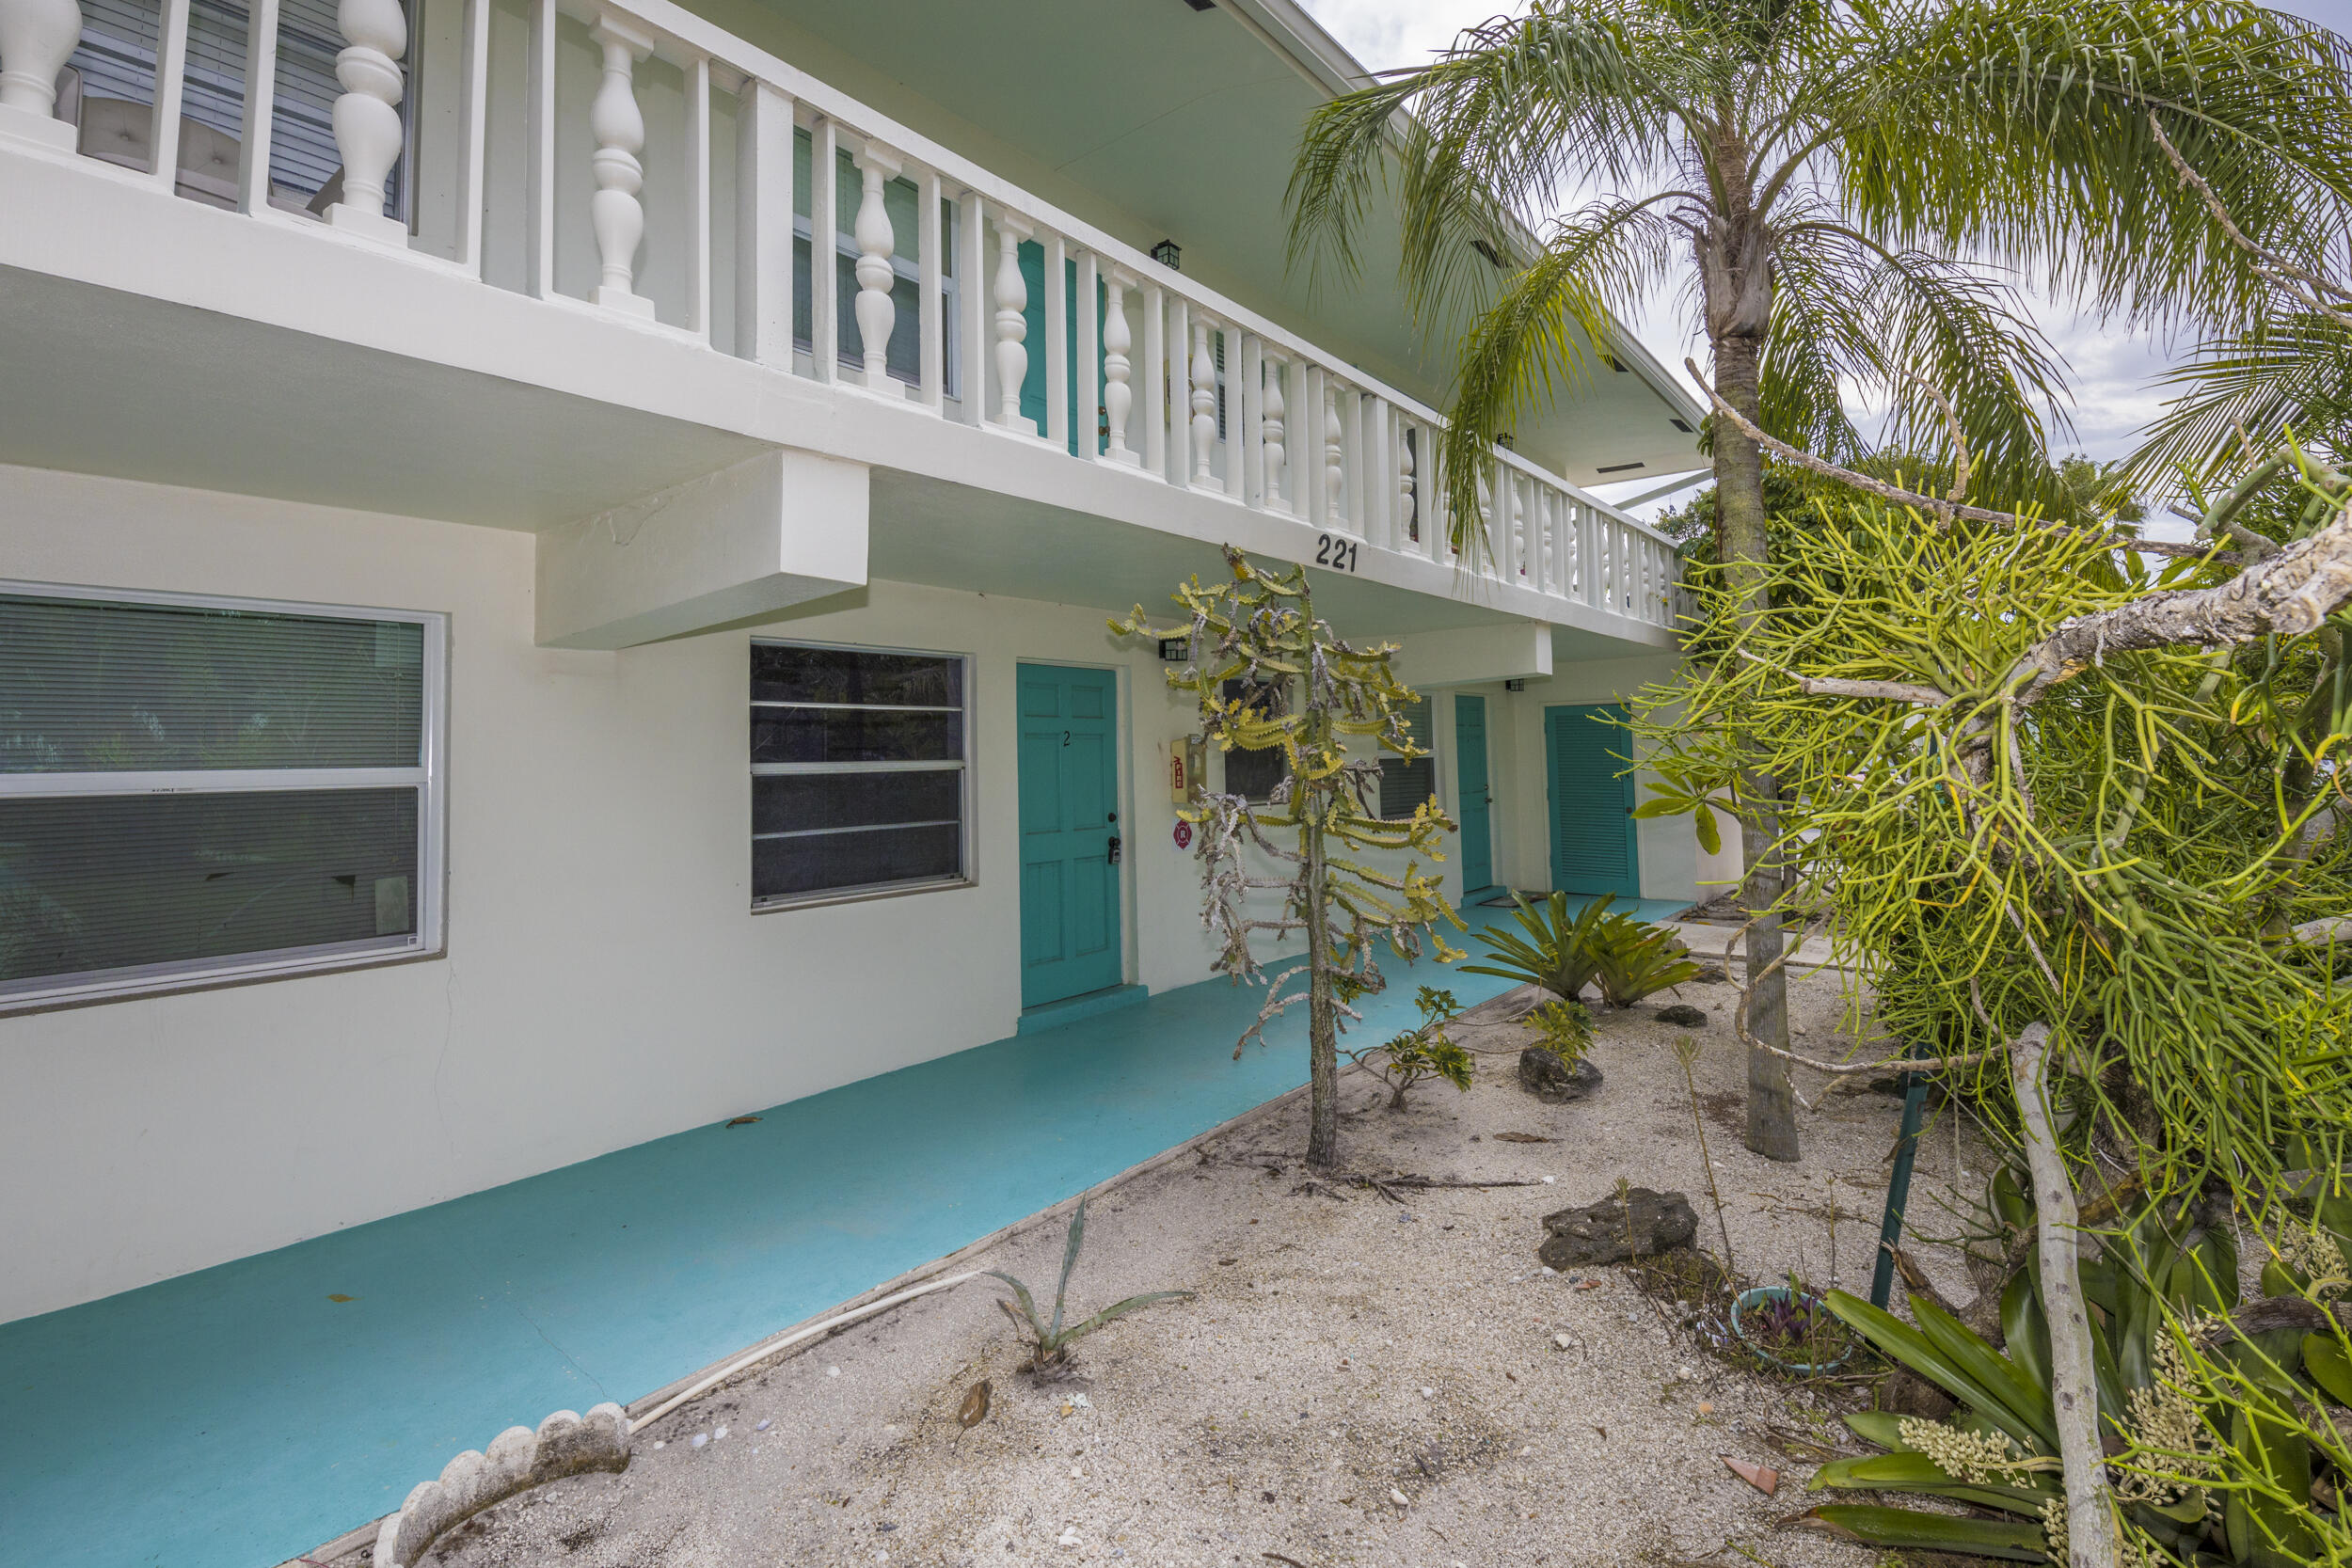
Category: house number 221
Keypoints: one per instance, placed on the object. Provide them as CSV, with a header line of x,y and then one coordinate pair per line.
x,y
1337,553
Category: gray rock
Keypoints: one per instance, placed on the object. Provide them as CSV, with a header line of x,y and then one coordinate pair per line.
x,y
1683,1016
1601,1233
1709,974
1543,1074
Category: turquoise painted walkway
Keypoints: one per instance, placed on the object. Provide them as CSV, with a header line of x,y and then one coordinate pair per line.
x,y
235,1417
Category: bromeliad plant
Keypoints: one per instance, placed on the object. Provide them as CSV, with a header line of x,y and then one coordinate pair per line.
x,y
1629,957
1260,626
1422,1052
1049,1340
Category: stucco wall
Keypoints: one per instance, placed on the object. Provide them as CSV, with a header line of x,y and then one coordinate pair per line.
x,y
604,981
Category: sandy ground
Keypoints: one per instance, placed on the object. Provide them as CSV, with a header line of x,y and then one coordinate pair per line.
x,y
1342,1350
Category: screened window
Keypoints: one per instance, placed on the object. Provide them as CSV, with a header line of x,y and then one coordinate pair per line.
x,y
860,771
1407,781
201,789
1253,775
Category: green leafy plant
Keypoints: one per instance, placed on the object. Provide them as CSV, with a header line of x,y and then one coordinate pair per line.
x,y
1556,952
1567,1026
1049,1341
1259,626
1633,959
1422,1052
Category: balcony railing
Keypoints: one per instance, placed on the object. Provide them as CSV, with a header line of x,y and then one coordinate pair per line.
x,y
1160,377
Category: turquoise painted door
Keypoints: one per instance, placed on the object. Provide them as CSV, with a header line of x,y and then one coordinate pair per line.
x,y
1593,847
1068,823
1470,745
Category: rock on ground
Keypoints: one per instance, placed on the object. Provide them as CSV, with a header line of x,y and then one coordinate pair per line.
x,y
1641,1225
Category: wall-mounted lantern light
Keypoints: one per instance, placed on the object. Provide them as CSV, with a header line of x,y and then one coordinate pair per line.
x,y
1167,254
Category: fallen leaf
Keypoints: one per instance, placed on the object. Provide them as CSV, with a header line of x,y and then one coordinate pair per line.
x,y
1603,1431
1226,1262
1523,1138
1762,1477
1588,1285
742,1121
975,1407
1513,1376
342,1298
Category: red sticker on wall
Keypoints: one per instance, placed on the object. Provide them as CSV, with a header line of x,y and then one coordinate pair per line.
x,y
1184,834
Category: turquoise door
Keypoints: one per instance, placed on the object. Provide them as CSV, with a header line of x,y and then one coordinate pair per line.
x,y
1470,745
1592,807
1068,827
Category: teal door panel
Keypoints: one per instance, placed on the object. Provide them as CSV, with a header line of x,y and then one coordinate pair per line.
x,y
1084,426
1470,747
1068,799
1593,847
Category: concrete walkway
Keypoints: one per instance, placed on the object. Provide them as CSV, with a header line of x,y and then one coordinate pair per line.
x,y
242,1415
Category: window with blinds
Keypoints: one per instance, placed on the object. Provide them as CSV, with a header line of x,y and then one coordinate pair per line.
x,y
860,777
1407,781
116,60
194,790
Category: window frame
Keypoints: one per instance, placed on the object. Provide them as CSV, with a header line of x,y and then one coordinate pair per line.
x,y
967,873
429,778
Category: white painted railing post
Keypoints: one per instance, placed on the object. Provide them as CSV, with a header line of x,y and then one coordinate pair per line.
x,y
930,281
1118,397
1334,458
1012,298
763,224
1273,409
36,37
877,312
1203,401
1406,521
1155,389
972,328
619,127
366,117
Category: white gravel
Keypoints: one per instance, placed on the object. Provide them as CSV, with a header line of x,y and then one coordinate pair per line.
x,y
1341,1356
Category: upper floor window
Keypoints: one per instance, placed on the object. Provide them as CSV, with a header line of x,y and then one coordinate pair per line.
x,y
195,790
859,771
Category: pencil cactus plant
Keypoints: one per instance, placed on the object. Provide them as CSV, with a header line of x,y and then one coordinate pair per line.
x,y
1260,628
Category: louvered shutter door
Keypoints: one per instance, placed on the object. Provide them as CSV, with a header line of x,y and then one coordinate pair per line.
x,y
1592,834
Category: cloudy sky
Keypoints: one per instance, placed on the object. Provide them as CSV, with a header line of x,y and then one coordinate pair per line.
x,y
2112,375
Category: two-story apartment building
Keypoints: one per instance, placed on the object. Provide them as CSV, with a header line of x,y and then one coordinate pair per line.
x,y
554,560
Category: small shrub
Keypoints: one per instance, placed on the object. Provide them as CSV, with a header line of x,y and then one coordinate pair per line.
x,y
1557,951
1049,1343
1633,959
1566,1028
1422,1052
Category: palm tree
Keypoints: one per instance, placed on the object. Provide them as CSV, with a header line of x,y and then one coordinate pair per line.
x,y
1854,184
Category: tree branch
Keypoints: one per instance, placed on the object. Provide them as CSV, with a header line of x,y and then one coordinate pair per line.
x,y
2091,1531
2308,288
2319,933
2288,593
1884,491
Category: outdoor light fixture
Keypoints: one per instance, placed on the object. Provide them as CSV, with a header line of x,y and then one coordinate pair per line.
x,y
1515,685
1167,254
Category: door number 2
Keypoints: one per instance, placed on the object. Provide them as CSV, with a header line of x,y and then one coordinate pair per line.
x,y
1337,553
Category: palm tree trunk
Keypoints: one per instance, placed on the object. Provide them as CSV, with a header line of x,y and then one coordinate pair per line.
x,y
1322,1033
1743,546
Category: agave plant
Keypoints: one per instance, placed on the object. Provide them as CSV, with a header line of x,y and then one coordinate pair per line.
x,y
1557,953
1049,1341
2225,1452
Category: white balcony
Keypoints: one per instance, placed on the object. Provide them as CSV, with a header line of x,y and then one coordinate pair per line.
x,y
564,285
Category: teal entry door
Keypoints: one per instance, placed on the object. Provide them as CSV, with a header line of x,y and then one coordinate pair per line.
x,y
1070,833
1469,746
1593,847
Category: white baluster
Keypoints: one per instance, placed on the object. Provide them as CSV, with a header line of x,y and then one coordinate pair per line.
x,y
1334,457
36,37
1203,401
1518,524
1118,397
1273,426
367,124
1407,522
876,312
1012,328
619,126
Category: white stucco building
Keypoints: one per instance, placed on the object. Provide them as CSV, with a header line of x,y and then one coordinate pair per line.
x,y
503,658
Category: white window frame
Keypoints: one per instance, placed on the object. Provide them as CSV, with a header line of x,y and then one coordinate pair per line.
x,y
429,779
965,874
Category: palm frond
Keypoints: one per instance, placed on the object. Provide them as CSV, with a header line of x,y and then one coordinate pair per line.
x,y
2289,376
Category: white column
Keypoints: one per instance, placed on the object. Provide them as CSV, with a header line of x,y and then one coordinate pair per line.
x,y
1118,397
1202,398
931,313
1405,521
1012,298
619,127
763,225
367,124
1274,409
1155,389
1334,457
877,313
972,324
36,37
